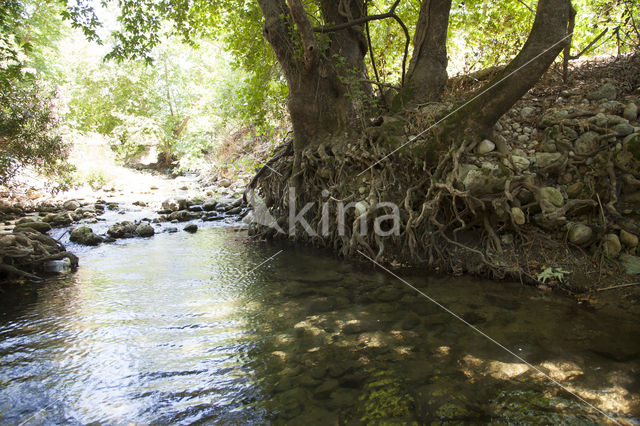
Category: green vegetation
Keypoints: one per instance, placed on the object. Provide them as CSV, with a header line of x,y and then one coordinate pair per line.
x,y
179,78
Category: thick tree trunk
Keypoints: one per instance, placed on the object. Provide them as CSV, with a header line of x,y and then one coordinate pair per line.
x,y
427,74
323,86
547,39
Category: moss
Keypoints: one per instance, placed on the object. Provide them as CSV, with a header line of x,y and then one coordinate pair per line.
x,y
385,399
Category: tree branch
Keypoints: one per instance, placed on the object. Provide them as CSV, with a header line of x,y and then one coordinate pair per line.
x,y
390,14
309,41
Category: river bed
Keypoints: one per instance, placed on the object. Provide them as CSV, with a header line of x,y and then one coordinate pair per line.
x,y
210,328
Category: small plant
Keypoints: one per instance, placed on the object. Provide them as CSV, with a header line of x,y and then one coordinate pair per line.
x,y
96,180
557,274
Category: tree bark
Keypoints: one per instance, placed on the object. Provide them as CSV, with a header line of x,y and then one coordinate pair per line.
x,y
547,39
427,74
321,84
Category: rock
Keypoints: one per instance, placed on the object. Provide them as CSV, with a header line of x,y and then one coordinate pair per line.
x,y
59,267
518,216
587,143
520,163
209,205
552,195
630,112
172,230
574,191
631,264
580,234
183,216
527,112
485,147
225,183
547,159
549,147
145,231
628,239
235,210
388,294
122,230
611,245
490,179
58,220
606,91
42,227
624,129
84,236
71,205
191,228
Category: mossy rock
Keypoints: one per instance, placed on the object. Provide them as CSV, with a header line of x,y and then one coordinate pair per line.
x,y
41,227
384,399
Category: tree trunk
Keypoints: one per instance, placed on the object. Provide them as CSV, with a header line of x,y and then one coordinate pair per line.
x,y
427,74
547,39
323,86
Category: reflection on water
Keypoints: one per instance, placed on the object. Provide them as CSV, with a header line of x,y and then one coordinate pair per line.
x,y
182,329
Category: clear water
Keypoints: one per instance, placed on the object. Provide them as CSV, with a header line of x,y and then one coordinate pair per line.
x,y
183,329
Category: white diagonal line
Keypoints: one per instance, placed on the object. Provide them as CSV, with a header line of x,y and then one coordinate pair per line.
x,y
263,263
482,333
464,105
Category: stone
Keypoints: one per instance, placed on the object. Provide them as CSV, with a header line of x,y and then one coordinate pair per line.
x,y
631,264
145,231
520,163
486,146
209,205
624,129
611,245
41,227
630,112
170,205
587,143
527,112
71,205
83,235
580,234
388,294
552,195
547,159
183,216
58,220
122,230
225,183
575,190
192,228
628,239
549,147
606,91
490,179
518,216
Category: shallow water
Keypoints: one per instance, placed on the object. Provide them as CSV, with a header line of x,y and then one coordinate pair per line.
x,y
188,328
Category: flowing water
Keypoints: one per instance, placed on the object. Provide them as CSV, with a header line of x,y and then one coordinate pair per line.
x,y
183,329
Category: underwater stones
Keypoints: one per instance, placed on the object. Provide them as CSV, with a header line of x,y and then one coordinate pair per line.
x,y
606,91
388,294
580,234
84,236
611,245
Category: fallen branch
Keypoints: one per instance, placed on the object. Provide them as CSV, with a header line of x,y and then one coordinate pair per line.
x,y
618,286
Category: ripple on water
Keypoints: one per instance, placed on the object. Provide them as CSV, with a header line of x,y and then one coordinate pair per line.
x,y
183,328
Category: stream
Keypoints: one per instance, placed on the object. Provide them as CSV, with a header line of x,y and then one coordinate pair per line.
x,y
209,328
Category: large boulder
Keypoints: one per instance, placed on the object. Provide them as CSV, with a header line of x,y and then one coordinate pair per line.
x,y
42,227
83,235
145,231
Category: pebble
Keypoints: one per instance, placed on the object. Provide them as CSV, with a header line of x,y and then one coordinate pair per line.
x,y
486,146
631,112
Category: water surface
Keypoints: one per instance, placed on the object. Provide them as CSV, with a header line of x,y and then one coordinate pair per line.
x,y
183,329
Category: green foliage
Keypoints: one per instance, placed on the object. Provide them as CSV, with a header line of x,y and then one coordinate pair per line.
x,y
557,274
29,111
